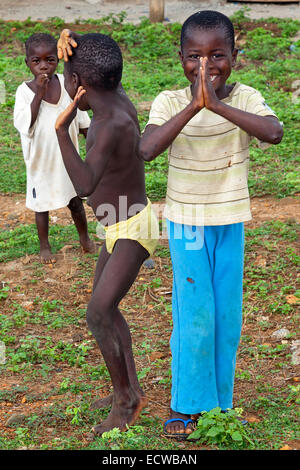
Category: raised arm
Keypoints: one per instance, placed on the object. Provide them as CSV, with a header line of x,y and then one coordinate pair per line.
x,y
85,175
264,128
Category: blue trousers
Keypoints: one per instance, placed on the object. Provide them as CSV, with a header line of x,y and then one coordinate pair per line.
x,y
207,314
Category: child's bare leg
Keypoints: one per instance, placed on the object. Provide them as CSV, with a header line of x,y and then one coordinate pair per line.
x,y
131,370
112,334
79,217
124,334
42,224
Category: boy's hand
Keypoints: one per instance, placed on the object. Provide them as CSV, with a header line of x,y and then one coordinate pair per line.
x,y
65,44
42,84
66,117
209,95
198,97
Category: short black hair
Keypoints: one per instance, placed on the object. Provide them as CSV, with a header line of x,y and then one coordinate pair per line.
x,y
208,19
37,39
98,59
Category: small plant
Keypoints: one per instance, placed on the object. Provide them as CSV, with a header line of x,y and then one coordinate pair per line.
x,y
117,440
77,413
221,429
4,292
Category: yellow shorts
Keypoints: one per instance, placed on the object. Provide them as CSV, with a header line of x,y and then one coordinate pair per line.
x,y
142,227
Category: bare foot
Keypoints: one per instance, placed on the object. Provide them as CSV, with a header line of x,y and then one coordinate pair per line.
x,y
121,417
46,256
105,402
102,403
87,245
178,427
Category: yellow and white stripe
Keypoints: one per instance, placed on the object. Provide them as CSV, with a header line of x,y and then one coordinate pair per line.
x,y
208,160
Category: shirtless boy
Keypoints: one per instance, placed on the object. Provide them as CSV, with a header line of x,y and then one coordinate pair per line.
x,y
112,168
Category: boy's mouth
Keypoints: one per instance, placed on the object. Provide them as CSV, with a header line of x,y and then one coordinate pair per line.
x,y
213,77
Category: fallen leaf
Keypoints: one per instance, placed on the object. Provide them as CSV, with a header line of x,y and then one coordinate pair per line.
x,y
260,261
156,355
253,419
23,400
295,379
26,259
27,305
286,447
292,299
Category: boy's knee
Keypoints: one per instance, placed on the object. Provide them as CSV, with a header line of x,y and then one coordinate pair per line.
x,y
75,204
98,315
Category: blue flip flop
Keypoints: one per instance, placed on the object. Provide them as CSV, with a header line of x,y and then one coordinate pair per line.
x,y
179,436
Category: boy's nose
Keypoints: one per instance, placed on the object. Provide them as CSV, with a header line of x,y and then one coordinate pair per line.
x,y
43,66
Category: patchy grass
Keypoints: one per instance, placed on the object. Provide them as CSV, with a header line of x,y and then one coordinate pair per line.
x,y
53,370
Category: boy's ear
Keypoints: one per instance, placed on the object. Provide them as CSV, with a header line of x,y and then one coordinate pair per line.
x,y
76,80
181,57
234,56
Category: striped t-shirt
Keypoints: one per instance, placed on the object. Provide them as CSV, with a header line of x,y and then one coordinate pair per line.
x,y
208,160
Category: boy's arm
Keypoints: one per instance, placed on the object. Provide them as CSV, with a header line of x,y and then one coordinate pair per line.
x,y
41,88
264,128
156,139
86,174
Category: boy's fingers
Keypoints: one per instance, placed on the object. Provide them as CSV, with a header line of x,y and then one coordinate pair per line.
x,y
69,50
66,57
73,42
81,91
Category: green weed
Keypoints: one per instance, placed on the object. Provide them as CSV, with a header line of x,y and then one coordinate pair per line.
x,y
222,430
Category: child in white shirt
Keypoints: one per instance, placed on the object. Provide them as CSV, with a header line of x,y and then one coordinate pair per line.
x,y
37,105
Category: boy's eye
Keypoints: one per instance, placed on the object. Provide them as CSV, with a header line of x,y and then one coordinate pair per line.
x,y
194,56
217,56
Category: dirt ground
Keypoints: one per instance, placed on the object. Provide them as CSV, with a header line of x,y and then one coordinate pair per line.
x,y
57,279
135,9
263,209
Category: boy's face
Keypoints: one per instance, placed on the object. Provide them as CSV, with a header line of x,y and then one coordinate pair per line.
x,y
42,59
214,45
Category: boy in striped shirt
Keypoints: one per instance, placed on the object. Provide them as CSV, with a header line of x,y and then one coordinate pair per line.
x,y
207,128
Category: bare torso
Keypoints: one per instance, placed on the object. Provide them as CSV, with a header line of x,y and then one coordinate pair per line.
x,y
124,172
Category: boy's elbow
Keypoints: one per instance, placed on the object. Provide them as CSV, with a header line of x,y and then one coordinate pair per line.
x,y
84,192
277,135
145,154
81,193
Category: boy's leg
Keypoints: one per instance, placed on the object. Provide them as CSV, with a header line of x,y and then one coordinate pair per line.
x,y
112,333
228,289
42,224
193,337
79,217
107,401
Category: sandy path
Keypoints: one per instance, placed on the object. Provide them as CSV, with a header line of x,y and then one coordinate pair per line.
x,y
70,10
